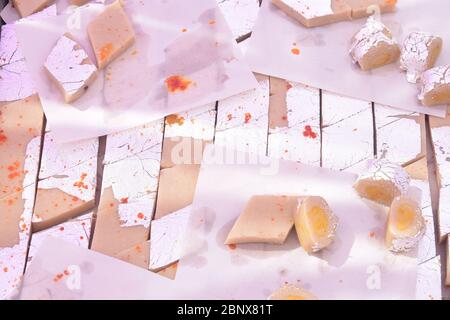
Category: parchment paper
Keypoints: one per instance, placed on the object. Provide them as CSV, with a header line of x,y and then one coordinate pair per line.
x,y
173,37
356,266
324,61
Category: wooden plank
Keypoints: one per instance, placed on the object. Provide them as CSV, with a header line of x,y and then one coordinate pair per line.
x,y
399,134
130,180
242,120
347,133
240,15
76,231
440,136
67,181
294,122
21,126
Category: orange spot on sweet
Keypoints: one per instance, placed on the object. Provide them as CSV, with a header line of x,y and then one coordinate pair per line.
x,y
295,51
124,200
390,2
105,51
3,138
138,248
174,119
111,204
288,86
140,215
10,202
177,83
247,117
75,199
309,133
232,246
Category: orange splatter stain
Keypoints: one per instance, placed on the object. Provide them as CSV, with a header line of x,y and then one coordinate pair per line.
x,y
61,229
3,138
309,133
288,86
140,215
372,234
5,269
295,51
229,116
111,204
212,21
66,272
105,51
247,117
75,199
232,246
124,200
177,83
138,248
58,277
184,30
174,119
81,238
80,184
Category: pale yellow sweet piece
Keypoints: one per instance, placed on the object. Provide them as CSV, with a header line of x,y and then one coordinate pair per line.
x,y
28,7
265,219
176,188
110,237
405,225
365,8
340,12
54,206
291,292
111,34
182,150
138,255
315,224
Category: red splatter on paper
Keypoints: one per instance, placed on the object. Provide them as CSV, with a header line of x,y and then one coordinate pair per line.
x,y
309,133
177,83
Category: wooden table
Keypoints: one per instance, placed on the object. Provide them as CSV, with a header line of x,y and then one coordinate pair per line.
x,y
293,121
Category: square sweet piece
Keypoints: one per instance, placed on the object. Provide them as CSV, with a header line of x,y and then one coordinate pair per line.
x,y
28,7
70,68
419,53
314,13
111,34
435,86
374,46
365,8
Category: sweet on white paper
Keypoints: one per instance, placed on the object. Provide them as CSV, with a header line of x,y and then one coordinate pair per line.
x,y
314,13
28,7
419,53
265,219
70,68
435,86
166,238
291,292
406,225
111,34
383,182
315,224
374,46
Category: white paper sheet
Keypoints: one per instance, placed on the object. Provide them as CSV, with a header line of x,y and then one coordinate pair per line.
x,y
324,61
357,265
173,37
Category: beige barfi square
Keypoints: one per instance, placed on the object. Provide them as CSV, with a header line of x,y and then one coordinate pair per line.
x,y
28,7
111,34
314,13
70,68
265,219
365,8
